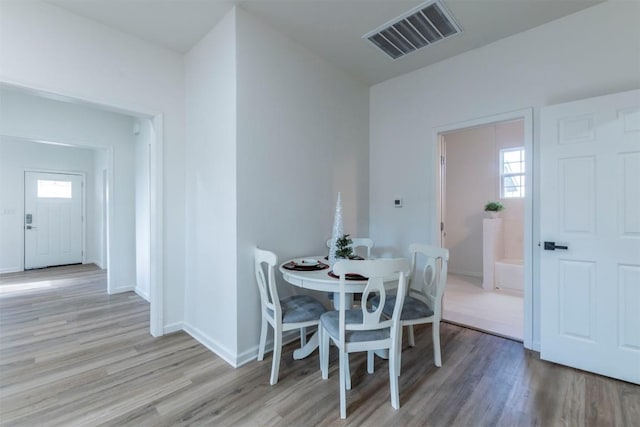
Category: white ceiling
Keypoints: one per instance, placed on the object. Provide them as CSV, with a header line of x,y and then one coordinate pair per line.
x,y
332,29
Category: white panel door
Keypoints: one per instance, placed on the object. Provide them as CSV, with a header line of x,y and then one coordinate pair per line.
x,y
590,211
53,219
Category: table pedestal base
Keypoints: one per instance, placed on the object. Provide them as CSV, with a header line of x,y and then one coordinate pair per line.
x,y
308,348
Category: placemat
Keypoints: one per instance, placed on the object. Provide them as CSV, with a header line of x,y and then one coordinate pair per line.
x,y
348,276
293,266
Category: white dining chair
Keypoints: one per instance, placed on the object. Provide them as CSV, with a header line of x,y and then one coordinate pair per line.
x,y
356,330
423,302
359,242
286,314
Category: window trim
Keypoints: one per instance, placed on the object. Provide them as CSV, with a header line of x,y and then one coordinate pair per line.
x,y
504,175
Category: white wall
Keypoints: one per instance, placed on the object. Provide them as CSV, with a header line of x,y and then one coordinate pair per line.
x,y
100,160
142,143
273,133
17,156
557,62
40,119
509,135
48,48
211,276
302,137
472,179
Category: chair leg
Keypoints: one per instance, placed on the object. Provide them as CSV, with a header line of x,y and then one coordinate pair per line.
x,y
412,340
320,348
343,386
347,369
398,352
303,337
370,362
435,328
263,339
277,350
394,363
324,352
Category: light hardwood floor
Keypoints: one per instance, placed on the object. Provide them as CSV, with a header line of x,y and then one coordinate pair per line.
x,y
72,355
498,312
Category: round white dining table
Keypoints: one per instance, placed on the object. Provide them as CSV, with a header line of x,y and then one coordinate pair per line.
x,y
320,280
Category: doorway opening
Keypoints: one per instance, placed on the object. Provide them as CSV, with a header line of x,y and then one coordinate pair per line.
x,y
109,187
489,281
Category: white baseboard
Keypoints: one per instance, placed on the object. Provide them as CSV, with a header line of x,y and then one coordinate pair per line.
x,y
173,327
226,355
535,345
122,290
10,270
143,295
211,344
252,353
466,273
96,262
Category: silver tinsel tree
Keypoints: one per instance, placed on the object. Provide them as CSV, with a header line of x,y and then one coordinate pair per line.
x,y
337,231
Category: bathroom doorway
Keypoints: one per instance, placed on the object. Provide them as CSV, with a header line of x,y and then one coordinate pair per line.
x,y
481,162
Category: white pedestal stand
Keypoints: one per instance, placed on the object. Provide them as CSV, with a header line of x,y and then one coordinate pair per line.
x,y
492,250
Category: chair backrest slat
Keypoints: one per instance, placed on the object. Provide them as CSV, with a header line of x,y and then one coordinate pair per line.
x,y
264,262
378,272
429,285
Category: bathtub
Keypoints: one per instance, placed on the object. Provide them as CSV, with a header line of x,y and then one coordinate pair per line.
x,y
509,275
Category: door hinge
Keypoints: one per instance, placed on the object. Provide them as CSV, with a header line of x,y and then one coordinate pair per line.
x,y
442,226
442,160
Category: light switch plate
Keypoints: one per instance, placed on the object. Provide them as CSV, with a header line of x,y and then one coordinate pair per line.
x,y
397,202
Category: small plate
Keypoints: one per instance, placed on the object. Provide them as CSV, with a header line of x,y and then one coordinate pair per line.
x,y
306,262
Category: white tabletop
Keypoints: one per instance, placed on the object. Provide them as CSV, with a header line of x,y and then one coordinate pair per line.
x,y
319,280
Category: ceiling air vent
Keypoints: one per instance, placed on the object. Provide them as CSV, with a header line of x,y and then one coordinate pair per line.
x,y
423,25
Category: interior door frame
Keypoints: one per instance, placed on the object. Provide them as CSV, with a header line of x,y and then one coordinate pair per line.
x,y
156,186
442,188
526,115
83,195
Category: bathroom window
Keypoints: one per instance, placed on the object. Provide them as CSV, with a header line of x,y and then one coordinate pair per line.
x,y
512,173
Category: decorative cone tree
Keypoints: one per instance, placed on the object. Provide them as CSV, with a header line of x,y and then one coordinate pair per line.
x,y
337,231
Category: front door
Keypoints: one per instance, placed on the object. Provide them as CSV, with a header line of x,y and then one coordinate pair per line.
x,y
590,235
53,219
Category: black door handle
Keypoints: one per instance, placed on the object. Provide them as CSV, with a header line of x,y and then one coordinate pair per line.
x,y
551,246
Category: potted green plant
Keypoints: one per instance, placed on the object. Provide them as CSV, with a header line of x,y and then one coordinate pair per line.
x,y
343,247
493,209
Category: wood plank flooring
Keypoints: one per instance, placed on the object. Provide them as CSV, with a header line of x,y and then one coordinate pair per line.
x,y
72,355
